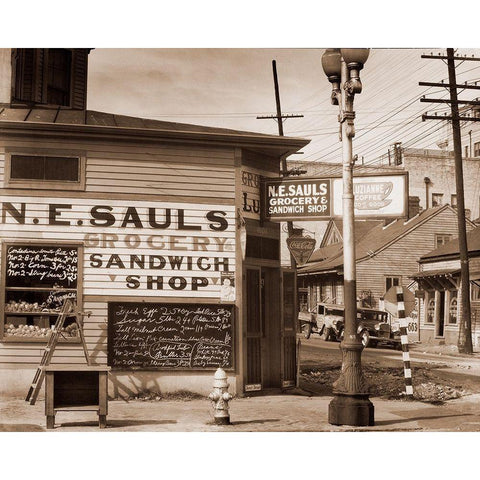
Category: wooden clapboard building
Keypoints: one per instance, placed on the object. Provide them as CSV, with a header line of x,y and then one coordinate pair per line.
x,y
386,256
440,293
153,227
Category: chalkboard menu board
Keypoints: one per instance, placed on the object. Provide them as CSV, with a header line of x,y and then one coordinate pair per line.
x,y
41,266
170,336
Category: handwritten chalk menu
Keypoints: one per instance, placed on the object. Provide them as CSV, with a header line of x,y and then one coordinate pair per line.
x,y
41,266
170,336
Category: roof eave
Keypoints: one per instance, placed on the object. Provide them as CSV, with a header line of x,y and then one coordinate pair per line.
x,y
272,144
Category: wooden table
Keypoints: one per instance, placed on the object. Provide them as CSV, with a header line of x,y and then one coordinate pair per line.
x,y
76,388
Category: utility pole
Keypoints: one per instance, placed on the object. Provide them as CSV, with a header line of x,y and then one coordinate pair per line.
x,y
465,327
279,118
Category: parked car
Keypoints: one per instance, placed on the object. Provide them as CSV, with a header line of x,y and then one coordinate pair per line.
x,y
327,320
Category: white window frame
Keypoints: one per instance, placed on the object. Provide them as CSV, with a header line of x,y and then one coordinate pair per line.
x,y
18,183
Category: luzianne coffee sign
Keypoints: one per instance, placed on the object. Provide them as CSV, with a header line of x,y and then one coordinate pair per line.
x,y
290,199
377,196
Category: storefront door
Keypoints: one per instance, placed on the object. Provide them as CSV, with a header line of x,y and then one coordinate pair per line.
x,y
266,358
254,300
289,323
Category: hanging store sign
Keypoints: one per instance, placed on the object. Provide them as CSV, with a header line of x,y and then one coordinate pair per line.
x,y
301,248
375,196
306,198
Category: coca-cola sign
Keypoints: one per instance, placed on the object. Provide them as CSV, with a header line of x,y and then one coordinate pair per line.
x,y
301,248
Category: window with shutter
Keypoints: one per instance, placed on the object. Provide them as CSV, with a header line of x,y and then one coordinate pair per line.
x,y
50,76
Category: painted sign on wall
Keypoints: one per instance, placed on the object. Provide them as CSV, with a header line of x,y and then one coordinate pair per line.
x,y
131,247
251,196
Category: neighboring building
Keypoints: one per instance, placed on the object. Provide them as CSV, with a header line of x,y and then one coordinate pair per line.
x,y
140,222
316,229
432,179
439,291
386,255
431,175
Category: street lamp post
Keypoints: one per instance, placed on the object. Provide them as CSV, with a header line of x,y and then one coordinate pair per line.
x,y
350,405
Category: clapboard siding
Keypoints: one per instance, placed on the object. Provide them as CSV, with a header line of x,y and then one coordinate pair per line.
x,y
195,179
401,258
106,149
170,171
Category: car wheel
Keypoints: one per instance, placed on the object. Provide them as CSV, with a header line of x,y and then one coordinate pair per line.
x,y
327,332
307,330
365,338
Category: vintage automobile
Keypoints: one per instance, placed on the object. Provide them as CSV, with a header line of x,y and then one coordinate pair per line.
x,y
328,321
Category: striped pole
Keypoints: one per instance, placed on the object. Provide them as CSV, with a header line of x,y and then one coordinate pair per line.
x,y
404,338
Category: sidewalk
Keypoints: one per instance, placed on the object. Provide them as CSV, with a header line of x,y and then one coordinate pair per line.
x,y
275,413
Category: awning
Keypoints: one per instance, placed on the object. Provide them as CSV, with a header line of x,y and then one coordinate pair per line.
x,y
445,279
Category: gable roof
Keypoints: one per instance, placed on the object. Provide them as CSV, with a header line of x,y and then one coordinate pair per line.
x,y
451,249
374,241
362,227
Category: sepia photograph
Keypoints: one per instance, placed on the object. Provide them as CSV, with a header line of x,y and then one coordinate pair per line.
x,y
228,241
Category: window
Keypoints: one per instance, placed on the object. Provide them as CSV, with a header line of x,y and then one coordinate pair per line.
x,y
59,76
33,167
430,310
53,76
55,170
437,199
442,239
38,280
392,282
453,307
453,200
475,291
476,149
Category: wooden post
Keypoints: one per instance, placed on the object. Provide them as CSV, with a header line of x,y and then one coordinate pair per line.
x,y
465,326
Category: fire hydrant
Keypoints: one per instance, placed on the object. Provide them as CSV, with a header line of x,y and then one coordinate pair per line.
x,y
220,398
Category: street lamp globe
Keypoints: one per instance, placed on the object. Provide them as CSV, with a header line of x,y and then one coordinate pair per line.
x,y
332,63
332,66
357,56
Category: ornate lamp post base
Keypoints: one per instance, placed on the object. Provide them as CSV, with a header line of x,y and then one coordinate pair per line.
x,y
355,410
351,405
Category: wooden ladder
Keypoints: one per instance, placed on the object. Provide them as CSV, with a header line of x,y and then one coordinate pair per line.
x,y
68,310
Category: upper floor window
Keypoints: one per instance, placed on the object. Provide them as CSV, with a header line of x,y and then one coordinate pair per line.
x,y
391,282
59,76
50,76
442,239
437,199
453,200
476,149
36,170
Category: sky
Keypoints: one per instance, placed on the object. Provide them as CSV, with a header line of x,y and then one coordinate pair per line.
x,y
229,88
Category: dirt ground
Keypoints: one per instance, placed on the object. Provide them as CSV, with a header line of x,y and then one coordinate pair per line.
x,y
431,382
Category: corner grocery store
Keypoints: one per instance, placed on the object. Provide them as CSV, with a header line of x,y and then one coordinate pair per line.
x,y
141,222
